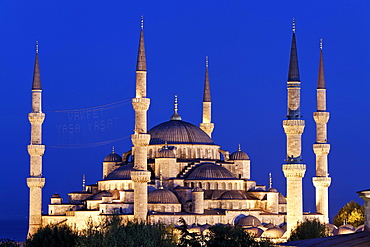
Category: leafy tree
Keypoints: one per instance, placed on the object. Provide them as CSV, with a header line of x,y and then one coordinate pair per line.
x,y
6,242
352,213
113,232
56,236
309,229
188,239
231,236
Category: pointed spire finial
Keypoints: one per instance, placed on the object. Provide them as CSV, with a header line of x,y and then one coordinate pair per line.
x,y
176,103
239,149
175,115
141,57
160,181
270,180
165,145
321,77
142,22
37,46
112,149
321,44
293,26
83,182
207,61
36,82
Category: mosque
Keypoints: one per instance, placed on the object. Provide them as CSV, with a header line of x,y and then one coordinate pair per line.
x,y
175,169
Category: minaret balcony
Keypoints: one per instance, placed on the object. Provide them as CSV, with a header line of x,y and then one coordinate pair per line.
x,y
34,182
294,170
36,150
293,127
140,104
321,117
321,181
36,117
140,140
140,176
321,148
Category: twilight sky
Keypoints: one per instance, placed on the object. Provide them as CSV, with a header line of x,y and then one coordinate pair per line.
x,y
88,55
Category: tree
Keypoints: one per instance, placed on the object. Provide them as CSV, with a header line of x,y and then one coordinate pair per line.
x,y
113,232
231,236
352,213
56,236
188,239
309,229
6,242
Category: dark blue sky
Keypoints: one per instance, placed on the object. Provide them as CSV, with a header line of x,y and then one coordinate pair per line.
x,y
88,55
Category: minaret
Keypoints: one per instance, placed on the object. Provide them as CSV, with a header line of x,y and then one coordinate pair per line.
x,y
140,139
36,150
293,169
206,125
321,147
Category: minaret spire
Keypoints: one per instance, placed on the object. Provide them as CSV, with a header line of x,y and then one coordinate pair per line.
x,y
321,78
206,125
140,139
36,82
141,58
293,169
293,73
321,148
36,150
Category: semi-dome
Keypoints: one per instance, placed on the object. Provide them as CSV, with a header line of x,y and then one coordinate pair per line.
x,y
210,171
239,155
100,195
113,157
121,173
232,194
162,196
249,220
178,132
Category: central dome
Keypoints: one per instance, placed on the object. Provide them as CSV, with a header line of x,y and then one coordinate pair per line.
x,y
178,132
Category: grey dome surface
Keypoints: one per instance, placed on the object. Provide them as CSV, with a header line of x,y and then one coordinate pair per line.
x,y
232,194
113,157
121,173
249,220
162,196
210,171
56,195
178,132
239,155
99,195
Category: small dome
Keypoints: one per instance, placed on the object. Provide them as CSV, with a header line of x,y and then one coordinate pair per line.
x,y
113,157
56,195
121,173
232,194
210,171
344,230
178,132
100,195
162,196
274,232
272,190
254,231
268,226
197,189
239,155
165,152
249,220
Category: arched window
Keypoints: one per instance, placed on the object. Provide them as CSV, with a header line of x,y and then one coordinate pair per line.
x,y
208,186
223,186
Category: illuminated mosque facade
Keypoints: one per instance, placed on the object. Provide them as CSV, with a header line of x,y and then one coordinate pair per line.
x,y
175,169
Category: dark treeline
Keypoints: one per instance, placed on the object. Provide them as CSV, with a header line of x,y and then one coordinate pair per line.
x,y
113,232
